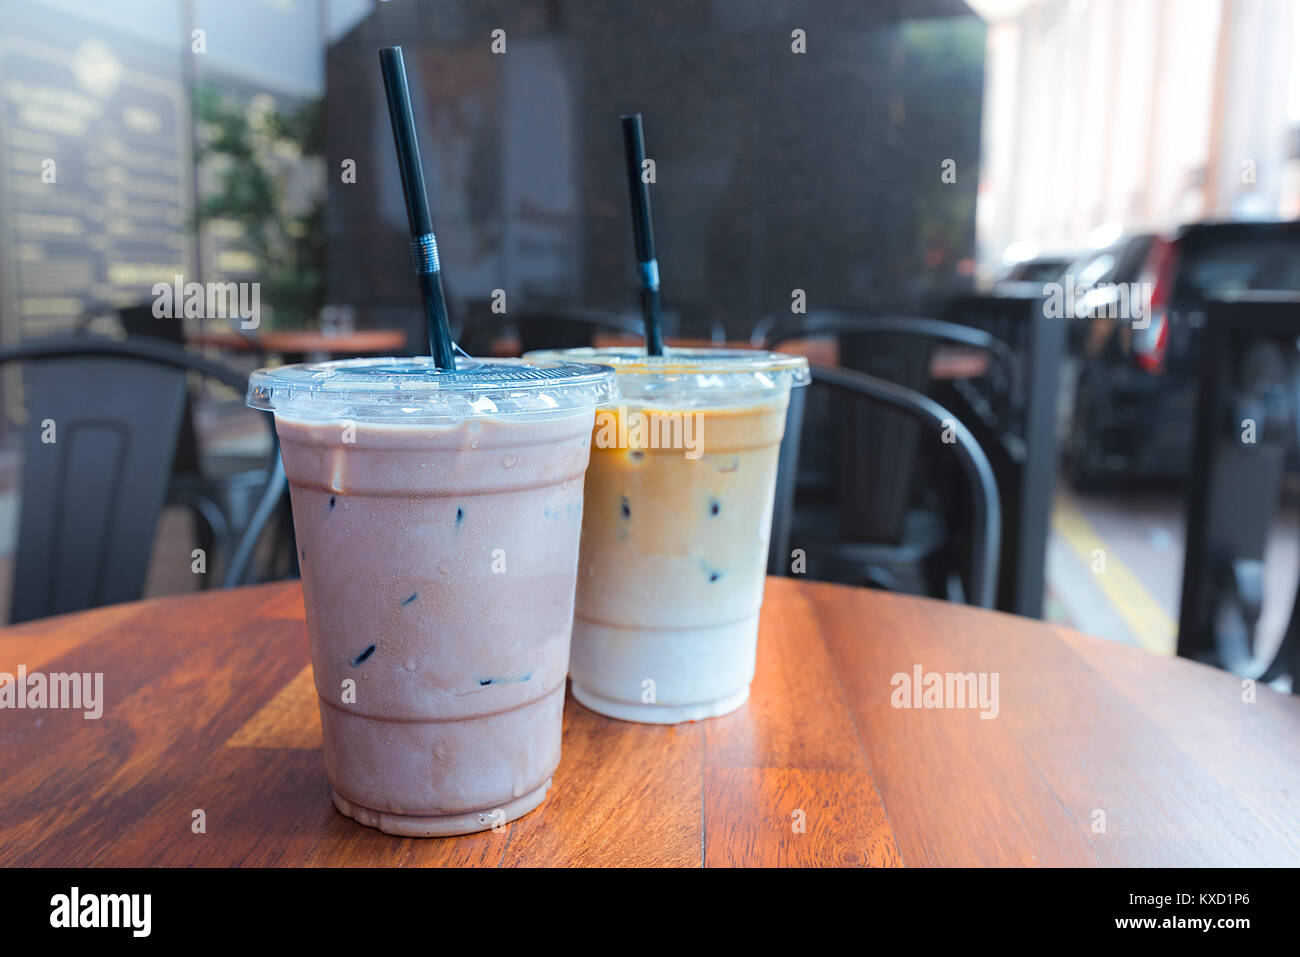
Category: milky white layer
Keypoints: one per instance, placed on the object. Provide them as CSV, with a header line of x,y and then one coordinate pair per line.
x,y
670,580
702,672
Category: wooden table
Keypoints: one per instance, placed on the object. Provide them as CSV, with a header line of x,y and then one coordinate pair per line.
x,y
307,342
946,362
210,706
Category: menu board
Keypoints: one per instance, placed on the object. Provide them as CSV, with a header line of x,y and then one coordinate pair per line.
x,y
95,189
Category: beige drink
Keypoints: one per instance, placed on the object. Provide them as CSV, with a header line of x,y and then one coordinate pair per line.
x,y
674,539
438,547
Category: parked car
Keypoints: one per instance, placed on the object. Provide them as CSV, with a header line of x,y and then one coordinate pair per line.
x,y
1042,268
1102,272
1134,401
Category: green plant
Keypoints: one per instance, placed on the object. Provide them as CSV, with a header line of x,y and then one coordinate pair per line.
x,y
251,152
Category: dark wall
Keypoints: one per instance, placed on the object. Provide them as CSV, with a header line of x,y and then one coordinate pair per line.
x,y
775,170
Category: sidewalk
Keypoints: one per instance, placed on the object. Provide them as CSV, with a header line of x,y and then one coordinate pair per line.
x,y
1134,597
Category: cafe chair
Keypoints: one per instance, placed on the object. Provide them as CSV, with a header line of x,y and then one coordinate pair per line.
x,y
103,422
219,488
772,330
1018,423
882,503
874,561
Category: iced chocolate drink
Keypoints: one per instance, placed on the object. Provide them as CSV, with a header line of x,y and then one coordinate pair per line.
x,y
675,531
437,517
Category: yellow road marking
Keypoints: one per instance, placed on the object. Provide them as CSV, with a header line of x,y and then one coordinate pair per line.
x,y
1145,617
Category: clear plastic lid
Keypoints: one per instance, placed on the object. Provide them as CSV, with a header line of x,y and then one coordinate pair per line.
x,y
409,389
694,376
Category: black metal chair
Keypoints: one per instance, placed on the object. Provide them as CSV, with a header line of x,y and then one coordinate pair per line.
x,y
774,329
220,489
1017,424
1249,371
879,517
104,417
985,507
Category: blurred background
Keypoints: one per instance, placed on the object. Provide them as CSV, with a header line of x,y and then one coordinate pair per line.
x,y
1070,223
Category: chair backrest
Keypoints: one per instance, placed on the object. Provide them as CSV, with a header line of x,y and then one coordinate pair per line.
x,y
1009,317
897,349
139,322
986,509
886,483
1016,420
103,417
771,331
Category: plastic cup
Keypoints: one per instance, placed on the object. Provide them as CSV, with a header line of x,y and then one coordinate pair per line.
x,y
677,518
437,515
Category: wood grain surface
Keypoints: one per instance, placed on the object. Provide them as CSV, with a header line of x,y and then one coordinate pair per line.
x,y
1099,754
306,341
946,362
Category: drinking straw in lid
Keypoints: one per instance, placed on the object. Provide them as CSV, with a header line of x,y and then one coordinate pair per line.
x,y
643,231
424,247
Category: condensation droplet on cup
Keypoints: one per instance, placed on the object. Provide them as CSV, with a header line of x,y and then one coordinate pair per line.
x,y
473,445
509,461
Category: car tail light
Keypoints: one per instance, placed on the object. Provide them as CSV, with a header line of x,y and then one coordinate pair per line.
x,y
1152,342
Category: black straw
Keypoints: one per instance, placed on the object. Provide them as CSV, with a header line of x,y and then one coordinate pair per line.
x,y
643,231
424,247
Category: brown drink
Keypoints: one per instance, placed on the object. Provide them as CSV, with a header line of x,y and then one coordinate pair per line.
x,y
437,518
